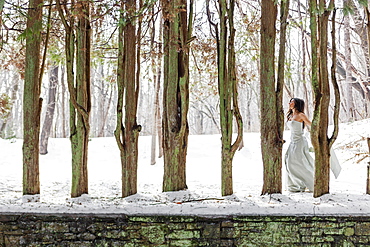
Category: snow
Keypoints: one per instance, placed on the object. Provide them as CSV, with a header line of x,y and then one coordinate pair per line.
x,y
203,196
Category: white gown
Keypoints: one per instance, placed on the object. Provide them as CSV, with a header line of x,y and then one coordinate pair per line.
x,y
299,162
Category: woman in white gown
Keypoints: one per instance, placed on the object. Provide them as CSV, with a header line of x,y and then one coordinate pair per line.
x,y
298,161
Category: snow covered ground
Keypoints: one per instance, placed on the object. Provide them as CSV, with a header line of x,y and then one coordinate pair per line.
x,y
203,197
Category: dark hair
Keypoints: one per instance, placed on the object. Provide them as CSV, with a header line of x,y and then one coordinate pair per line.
x,y
298,105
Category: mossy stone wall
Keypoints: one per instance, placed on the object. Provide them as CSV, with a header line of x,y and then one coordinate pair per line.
x,y
122,230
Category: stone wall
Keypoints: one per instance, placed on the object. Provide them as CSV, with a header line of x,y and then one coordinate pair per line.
x,y
121,230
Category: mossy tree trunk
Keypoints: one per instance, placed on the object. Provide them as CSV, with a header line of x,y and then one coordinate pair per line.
x,y
80,137
228,93
31,100
176,35
320,83
272,116
128,90
79,88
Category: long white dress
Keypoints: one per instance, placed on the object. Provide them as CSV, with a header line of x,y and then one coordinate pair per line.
x,y
299,162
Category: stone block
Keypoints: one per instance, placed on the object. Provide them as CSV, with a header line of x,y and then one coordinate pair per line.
x,y
182,243
260,238
96,227
362,228
113,234
211,231
154,234
308,239
284,237
347,243
334,231
69,236
311,231
8,218
227,243
348,231
177,226
272,226
227,224
360,239
82,244
183,234
86,236
55,227
245,241
230,233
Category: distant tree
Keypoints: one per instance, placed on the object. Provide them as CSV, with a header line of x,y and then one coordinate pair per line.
x,y
127,80
50,109
271,109
156,62
176,35
320,84
31,99
351,113
5,106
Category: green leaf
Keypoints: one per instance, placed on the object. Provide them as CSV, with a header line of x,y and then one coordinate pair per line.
x,y
363,2
347,9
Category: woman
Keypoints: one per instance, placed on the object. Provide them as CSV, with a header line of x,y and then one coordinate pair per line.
x,y
298,161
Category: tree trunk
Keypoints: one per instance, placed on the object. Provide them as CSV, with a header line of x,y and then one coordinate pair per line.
x,y
272,118
348,82
127,80
48,121
320,85
63,103
8,117
176,94
31,100
156,69
80,102
228,93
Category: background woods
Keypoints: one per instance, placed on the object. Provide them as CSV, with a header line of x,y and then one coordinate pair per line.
x,y
173,68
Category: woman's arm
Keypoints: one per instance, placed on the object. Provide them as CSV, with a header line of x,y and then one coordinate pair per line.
x,y
305,119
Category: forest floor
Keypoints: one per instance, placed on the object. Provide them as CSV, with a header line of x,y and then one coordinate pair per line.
x,y
347,193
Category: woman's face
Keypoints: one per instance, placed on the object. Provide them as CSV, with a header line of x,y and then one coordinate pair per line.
x,y
291,104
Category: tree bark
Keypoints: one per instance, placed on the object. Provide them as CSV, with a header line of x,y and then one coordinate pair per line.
x,y
156,69
32,101
272,118
347,53
80,102
228,94
128,86
320,84
49,116
176,94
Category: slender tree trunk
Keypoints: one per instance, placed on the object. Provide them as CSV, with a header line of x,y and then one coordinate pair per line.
x,y
128,85
320,85
272,118
348,82
63,103
105,114
32,101
228,94
80,102
48,121
8,117
156,80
